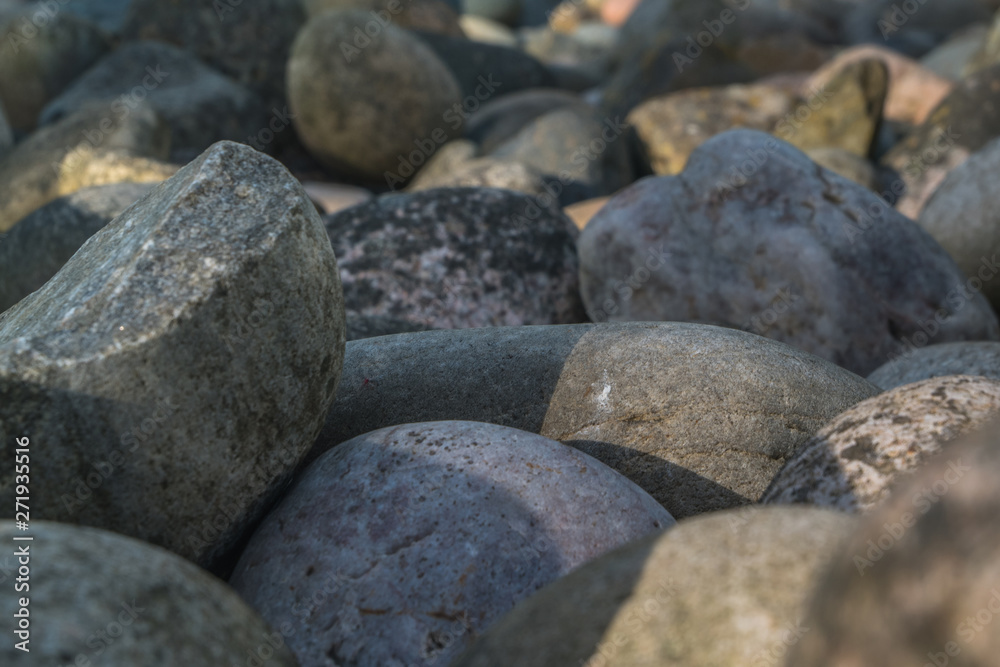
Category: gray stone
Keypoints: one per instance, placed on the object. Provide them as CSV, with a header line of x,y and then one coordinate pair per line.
x,y
853,463
200,105
180,364
700,417
502,11
755,235
100,598
109,15
456,258
929,585
952,57
982,359
499,119
37,247
430,15
913,32
6,133
729,588
401,545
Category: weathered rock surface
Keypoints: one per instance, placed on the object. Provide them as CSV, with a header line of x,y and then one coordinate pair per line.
x,y
725,589
855,461
981,359
402,545
123,602
181,363
754,235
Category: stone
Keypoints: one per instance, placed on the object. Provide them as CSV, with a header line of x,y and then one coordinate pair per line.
x,y
57,160
913,30
754,235
700,417
588,48
855,461
483,172
181,363
375,113
456,258
963,215
6,133
119,601
977,358
108,15
929,587
404,544
729,588
507,12
429,15
847,164
41,54
201,106
42,242
989,53
950,59
482,29
248,40
501,118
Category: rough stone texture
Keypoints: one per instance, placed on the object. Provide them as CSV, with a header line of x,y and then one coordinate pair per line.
x,y
792,251
930,586
36,63
200,105
430,15
366,112
55,161
426,534
963,216
724,589
981,359
110,600
853,463
183,360
962,124
700,417
456,258
249,40
38,246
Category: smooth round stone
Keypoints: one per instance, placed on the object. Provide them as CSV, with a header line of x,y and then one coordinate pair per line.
x,y
982,358
97,598
853,463
918,582
372,111
402,545
728,588
825,265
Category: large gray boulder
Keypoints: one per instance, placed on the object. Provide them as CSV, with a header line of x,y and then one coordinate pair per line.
x,y
179,366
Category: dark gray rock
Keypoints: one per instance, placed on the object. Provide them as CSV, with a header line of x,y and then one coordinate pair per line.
x,y
401,545
982,358
180,364
109,15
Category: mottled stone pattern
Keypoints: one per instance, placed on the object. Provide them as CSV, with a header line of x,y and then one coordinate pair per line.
x,y
118,602
455,258
856,460
181,363
402,545
982,358
728,588
784,248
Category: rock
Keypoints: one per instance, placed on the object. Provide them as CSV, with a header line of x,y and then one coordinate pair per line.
x,y
56,160
501,118
963,215
825,265
42,242
486,514
950,59
129,603
108,15
6,133
930,584
456,258
918,364
588,48
962,124
429,15
366,112
582,212
724,589
183,91
502,11
247,40
913,30
631,395
854,461
482,29
989,53
41,54
173,380
480,173
851,166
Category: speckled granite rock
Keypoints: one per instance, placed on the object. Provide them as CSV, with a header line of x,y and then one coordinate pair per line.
x,y
420,536
38,246
632,395
429,15
110,600
753,231
456,258
729,588
976,358
181,363
373,112
854,461
929,586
